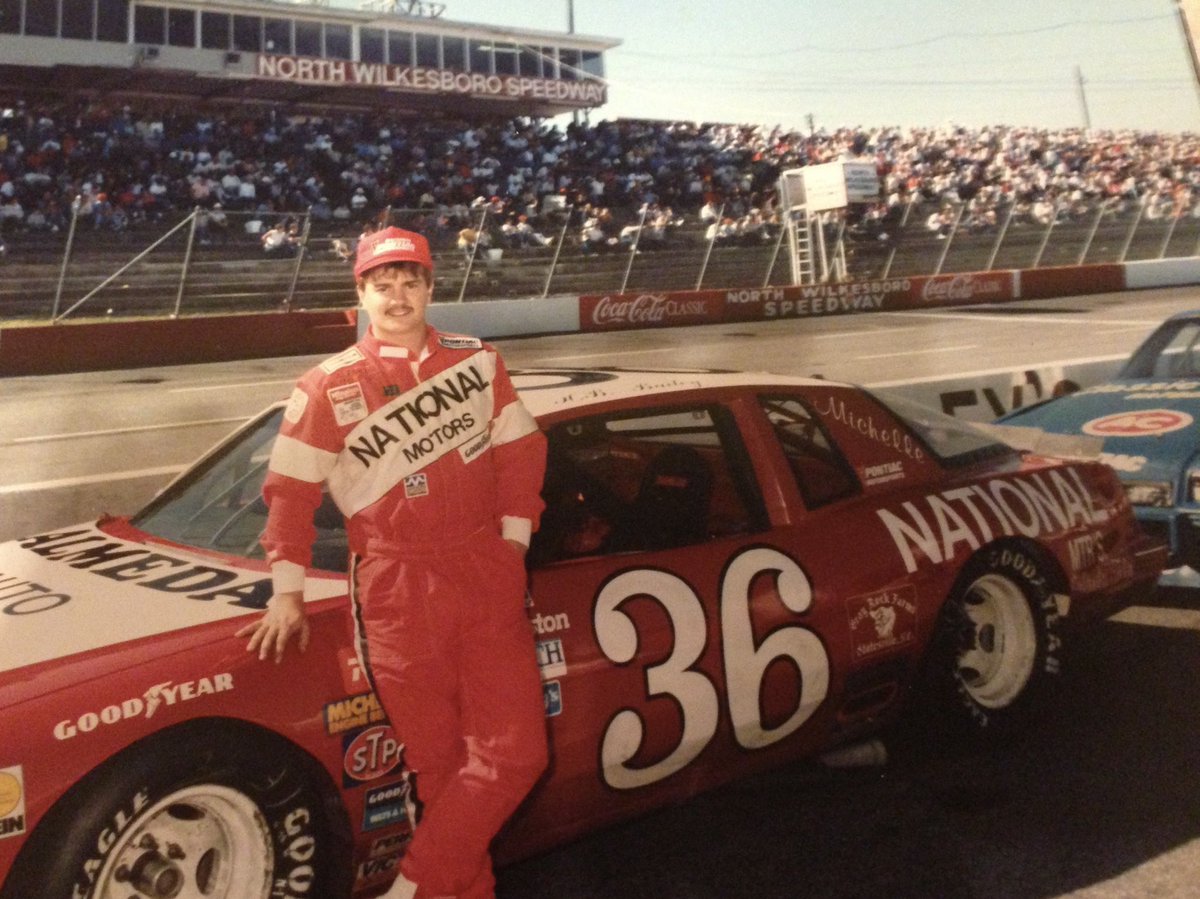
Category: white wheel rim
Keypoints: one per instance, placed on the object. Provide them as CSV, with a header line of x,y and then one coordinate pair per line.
x,y
998,664
201,842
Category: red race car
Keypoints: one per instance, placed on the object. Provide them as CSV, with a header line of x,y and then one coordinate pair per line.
x,y
733,571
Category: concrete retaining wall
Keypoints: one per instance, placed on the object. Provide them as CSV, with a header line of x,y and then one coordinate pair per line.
x,y
51,349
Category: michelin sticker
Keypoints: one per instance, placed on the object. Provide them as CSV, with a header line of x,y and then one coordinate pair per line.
x,y
12,802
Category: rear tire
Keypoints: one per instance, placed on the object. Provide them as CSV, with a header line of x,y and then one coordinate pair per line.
x,y
210,809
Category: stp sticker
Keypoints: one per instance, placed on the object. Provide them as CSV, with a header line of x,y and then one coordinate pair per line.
x,y
1143,423
370,754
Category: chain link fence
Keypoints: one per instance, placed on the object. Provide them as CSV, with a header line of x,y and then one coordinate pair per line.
x,y
215,260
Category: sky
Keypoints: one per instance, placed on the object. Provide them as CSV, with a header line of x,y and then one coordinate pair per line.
x,y
871,63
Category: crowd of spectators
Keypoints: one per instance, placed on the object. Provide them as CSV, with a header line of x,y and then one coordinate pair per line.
x,y
601,186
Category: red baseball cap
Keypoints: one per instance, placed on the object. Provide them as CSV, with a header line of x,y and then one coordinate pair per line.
x,y
391,245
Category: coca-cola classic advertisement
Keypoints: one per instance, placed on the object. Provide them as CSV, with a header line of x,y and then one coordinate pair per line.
x,y
967,287
612,312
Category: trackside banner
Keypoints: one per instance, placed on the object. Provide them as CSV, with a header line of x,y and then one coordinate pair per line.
x,y
610,312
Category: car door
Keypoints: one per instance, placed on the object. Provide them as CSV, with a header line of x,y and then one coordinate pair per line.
x,y
669,614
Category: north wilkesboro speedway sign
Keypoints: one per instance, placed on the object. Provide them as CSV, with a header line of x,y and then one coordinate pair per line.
x,y
609,312
425,80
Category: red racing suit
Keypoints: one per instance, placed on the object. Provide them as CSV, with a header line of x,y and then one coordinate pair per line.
x,y
433,461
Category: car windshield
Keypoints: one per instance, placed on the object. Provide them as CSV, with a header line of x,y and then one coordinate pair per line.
x,y
218,505
952,441
1173,351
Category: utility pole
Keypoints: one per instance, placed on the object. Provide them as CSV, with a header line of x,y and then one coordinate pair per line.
x,y
1083,104
1187,26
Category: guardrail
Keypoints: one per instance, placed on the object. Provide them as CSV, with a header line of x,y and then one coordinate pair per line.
x,y
193,264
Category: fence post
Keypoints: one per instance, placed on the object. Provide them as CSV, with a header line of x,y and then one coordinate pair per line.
x,y
887,266
187,261
1137,220
1037,259
62,274
1087,244
708,251
287,301
949,239
774,256
1012,208
462,291
1162,251
633,247
562,237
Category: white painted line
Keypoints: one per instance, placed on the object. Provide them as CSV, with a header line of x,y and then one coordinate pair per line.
x,y
1157,616
1033,318
86,480
659,350
111,432
1007,369
867,332
288,381
938,349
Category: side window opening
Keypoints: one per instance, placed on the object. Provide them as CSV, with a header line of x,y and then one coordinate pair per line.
x,y
821,472
645,481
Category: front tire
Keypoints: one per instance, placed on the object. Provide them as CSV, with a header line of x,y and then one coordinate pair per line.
x,y
995,653
209,810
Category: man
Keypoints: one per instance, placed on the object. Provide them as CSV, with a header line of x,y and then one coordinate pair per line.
x,y
437,467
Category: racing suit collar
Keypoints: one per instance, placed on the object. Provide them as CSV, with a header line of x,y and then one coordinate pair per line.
x,y
390,351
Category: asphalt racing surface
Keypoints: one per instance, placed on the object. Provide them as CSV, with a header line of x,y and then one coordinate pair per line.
x,y
1102,799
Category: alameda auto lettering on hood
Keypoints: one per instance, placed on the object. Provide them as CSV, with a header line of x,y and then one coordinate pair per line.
x,y
78,590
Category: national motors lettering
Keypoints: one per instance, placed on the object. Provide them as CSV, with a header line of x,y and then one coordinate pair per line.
x,y
451,411
422,419
422,79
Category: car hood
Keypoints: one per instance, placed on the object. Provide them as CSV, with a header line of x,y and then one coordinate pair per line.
x,y
86,588
1148,427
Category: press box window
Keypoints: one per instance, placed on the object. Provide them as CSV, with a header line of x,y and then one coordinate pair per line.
x,y
371,45
400,48
77,21
214,31
308,38
181,27
41,18
149,25
654,480
454,53
247,34
112,20
277,36
337,41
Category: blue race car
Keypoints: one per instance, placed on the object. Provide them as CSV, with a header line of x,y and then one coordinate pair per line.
x,y
1147,418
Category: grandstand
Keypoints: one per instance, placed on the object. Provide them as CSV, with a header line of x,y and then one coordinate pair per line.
x,y
146,146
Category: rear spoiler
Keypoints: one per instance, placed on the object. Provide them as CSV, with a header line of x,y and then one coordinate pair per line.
x,y
1035,440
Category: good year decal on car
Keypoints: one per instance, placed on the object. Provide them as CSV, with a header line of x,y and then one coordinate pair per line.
x,y
678,677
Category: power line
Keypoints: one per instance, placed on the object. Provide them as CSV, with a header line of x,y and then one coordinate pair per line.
x,y
923,42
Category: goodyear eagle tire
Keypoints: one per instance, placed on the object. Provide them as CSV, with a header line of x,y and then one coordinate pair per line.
x,y
995,654
210,809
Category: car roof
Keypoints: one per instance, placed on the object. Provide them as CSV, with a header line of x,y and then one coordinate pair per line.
x,y
549,390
